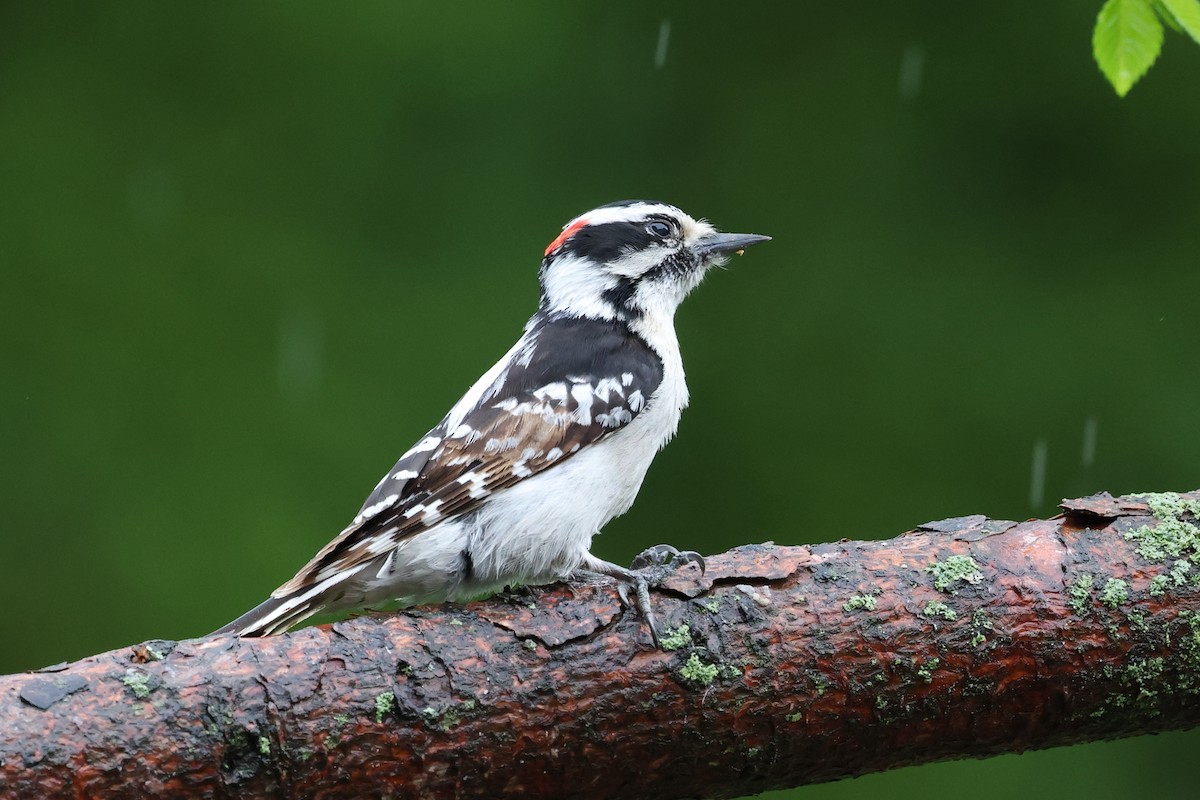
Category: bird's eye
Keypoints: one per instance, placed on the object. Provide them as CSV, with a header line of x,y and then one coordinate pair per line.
x,y
660,229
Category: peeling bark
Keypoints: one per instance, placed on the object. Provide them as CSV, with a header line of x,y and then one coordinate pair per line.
x,y
965,637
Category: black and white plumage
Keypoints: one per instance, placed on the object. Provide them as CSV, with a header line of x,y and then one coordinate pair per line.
x,y
546,447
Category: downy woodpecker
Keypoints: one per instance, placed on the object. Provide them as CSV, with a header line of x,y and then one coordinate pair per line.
x,y
544,449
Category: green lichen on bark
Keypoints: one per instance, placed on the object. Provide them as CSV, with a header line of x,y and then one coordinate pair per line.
x,y
952,570
137,682
926,670
935,608
859,602
697,671
1172,536
385,703
1079,595
981,626
676,638
1115,593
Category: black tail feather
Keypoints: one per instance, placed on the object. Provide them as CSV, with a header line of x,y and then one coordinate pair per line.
x,y
271,616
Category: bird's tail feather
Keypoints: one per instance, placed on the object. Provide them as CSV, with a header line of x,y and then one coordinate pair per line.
x,y
274,615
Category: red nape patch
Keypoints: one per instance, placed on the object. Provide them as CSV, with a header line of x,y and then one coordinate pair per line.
x,y
566,234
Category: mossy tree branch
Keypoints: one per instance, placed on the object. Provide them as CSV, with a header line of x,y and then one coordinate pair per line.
x,y
783,666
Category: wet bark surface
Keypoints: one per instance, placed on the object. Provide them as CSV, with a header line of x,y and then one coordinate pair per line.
x,y
781,666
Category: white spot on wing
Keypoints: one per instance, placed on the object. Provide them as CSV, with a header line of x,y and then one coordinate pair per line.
x,y
606,386
405,474
582,393
377,545
542,409
500,445
425,445
375,508
432,514
520,470
552,391
636,401
476,488
626,378
615,418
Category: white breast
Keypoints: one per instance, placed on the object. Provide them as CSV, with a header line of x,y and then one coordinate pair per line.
x,y
542,527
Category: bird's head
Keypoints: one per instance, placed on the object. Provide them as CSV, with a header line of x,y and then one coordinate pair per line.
x,y
631,259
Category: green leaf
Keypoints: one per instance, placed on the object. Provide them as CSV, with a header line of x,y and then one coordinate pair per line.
x,y
1127,40
1166,16
1186,14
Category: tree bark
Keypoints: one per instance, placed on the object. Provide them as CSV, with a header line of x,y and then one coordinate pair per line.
x,y
781,666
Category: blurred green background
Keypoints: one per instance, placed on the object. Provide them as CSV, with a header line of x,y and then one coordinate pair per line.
x,y
251,252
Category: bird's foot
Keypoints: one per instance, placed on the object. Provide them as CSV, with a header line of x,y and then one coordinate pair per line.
x,y
666,558
648,570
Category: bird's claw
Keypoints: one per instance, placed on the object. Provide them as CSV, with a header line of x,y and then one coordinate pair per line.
x,y
664,555
641,587
648,570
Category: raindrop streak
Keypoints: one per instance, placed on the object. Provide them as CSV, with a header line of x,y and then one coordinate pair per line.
x,y
664,37
1089,441
912,71
1037,480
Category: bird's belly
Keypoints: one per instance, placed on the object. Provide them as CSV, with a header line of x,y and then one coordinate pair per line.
x,y
541,529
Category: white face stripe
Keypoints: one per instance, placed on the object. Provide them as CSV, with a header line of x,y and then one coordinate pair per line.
x,y
693,229
574,284
637,211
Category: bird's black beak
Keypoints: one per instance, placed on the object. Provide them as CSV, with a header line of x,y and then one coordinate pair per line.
x,y
721,243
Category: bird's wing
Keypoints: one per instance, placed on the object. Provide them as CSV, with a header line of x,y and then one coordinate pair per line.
x,y
574,382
